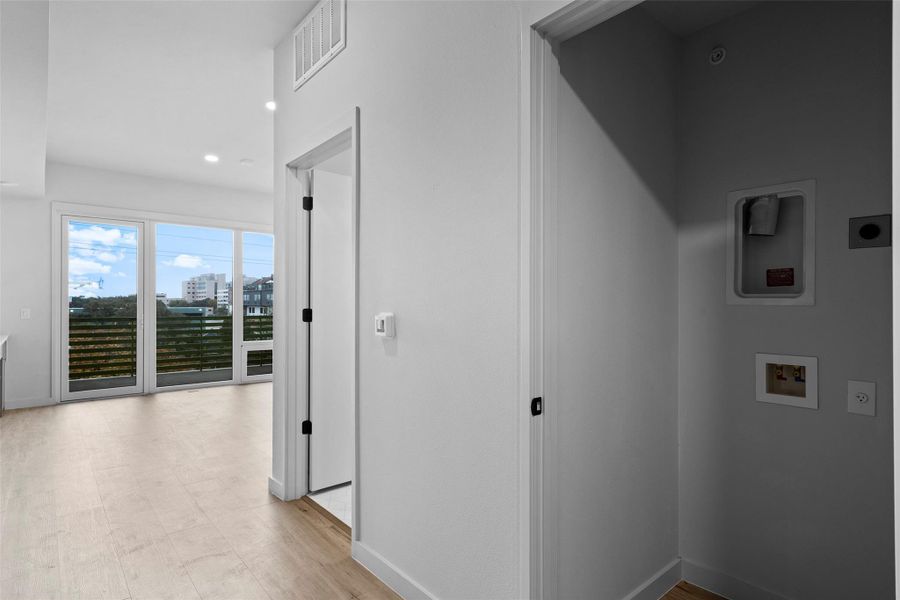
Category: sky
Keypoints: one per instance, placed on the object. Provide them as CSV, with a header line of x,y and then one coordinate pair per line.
x,y
103,257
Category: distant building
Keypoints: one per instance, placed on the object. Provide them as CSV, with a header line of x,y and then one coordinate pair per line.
x,y
162,297
225,296
203,287
258,296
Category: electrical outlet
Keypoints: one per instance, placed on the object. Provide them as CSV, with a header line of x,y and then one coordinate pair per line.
x,y
24,313
861,397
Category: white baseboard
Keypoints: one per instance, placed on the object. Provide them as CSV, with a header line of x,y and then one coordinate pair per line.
x,y
724,585
276,488
659,583
393,577
29,403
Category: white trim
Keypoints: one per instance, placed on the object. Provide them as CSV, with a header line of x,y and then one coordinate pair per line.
x,y
237,308
579,16
337,136
659,583
530,380
28,403
276,488
394,578
724,585
895,254
130,214
734,223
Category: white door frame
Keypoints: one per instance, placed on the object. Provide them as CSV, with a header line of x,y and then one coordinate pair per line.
x,y
538,437
537,209
332,139
237,308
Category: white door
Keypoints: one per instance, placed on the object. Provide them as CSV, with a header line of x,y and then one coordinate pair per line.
x,y
331,343
103,308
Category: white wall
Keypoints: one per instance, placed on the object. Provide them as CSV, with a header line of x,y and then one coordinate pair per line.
x,y
616,288
438,247
25,278
791,500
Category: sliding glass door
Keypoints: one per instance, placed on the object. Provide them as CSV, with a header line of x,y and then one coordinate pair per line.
x,y
206,294
102,324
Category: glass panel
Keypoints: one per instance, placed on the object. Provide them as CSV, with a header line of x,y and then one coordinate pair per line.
x,y
193,304
259,267
102,295
259,362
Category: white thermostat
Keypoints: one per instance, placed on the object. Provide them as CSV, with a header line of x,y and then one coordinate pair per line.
x,y
384,324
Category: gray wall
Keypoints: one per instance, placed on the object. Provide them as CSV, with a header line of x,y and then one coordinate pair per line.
x,y
792,500
616,401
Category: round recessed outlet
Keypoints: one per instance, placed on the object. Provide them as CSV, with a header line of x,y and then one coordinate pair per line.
x,y
869,231
862,397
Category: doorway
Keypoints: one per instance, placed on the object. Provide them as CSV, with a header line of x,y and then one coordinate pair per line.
x,y
102,326
639,132
322,453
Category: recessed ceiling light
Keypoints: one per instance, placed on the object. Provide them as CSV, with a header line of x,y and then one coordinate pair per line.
x,y
211,158
271,105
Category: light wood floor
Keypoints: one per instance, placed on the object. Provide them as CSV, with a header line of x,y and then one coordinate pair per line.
x,y
686,591
161,497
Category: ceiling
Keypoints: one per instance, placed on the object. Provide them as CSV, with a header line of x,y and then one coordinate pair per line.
x,y
685,17
151,87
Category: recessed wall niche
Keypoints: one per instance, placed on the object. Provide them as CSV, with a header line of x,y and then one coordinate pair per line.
x,y
788,380
771,245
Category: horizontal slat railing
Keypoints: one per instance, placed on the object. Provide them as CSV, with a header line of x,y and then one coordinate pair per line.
x,y
106,346
189,343
257,328
102,347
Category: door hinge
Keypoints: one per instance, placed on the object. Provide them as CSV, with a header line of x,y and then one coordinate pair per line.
x,y
537,406
306,427
307,315
307,202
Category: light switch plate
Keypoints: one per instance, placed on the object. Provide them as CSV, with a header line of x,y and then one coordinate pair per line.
x,y
24,313
384,325
861,397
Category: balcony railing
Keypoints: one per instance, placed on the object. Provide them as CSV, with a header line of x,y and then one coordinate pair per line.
x,y
106,347
102,347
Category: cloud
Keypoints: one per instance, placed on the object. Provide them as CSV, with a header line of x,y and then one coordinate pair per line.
x,y
106,236
120,274
84,288
83,266
186,261
109,257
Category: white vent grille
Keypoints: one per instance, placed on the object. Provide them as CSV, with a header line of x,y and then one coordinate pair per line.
x,y
319,38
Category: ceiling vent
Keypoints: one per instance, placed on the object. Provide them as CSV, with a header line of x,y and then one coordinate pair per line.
x,y
319,38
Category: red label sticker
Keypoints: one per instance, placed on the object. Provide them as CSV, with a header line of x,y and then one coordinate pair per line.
x,y
780,277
